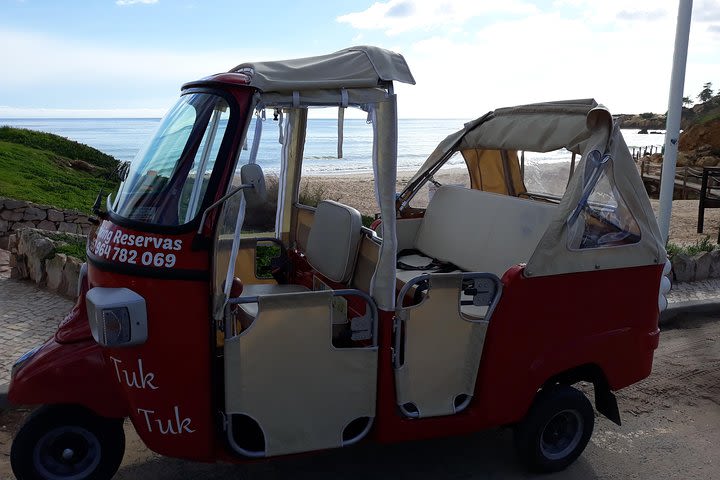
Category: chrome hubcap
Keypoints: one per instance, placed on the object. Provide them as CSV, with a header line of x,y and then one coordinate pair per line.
x,y
561,435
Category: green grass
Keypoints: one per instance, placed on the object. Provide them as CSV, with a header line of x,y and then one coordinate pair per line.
x,y
51,170
70,246
58,145
704,245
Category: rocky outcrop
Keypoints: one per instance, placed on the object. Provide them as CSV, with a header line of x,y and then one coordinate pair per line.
x,y
33,256
17,214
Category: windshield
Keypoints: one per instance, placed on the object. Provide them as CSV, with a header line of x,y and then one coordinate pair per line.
x,y
167,180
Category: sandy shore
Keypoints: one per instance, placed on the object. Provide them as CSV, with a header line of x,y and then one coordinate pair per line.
x,y
358,191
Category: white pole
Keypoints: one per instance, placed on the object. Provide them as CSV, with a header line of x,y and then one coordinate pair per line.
x,y
677,85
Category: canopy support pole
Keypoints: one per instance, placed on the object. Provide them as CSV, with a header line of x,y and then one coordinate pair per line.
x,y
672,128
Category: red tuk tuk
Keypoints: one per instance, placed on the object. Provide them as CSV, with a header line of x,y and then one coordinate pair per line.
x,y
481,309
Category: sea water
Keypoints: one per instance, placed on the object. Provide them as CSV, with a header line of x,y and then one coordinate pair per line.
x,y
417,138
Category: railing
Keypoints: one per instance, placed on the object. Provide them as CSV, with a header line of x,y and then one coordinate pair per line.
x,y
639,152
686,178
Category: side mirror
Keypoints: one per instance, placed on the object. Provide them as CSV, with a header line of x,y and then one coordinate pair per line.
x,y
252,174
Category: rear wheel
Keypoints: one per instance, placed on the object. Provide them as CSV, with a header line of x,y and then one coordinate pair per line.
x,y
67,442
556,430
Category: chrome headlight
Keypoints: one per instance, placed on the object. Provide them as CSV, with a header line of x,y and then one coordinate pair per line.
x,y
117,316
23,360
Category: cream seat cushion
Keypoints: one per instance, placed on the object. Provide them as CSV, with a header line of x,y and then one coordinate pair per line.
x,y
334,240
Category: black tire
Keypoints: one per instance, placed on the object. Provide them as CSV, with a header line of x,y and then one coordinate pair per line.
x,y
556,430
59,442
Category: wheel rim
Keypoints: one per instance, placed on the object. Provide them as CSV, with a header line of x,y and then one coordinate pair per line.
x,y
67,453
561,435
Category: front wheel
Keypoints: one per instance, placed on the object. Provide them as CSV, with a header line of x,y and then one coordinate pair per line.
x,y
67,442
556,430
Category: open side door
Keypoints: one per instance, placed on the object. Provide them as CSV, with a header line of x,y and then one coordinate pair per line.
x,y
439,341
285,380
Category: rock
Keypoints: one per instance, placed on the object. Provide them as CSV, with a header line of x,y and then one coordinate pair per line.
x,y
82,219
683,268
715,264
683,159
12,216
86,229
54,267
67,227
55,216
11,204
655,158
22,225
20,270
702,265
707,161
4,225
12,243
70,217
4,243
47,225
37,250
71,273
32,213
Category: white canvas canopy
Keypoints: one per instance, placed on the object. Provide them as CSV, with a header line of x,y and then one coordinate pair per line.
x,y
357,76
354,67
582,127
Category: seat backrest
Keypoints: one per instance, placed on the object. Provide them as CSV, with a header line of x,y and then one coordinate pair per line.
x,y
332,244
481,231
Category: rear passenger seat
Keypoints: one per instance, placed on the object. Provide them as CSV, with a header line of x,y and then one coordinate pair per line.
x,y
477,231
332,250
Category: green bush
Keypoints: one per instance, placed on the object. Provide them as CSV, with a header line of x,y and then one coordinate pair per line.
x,y
704,245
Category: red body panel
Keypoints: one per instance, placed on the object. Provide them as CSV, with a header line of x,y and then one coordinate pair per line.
x,y
69,373
541,327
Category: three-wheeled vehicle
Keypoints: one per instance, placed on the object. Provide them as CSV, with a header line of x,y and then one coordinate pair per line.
x,y
481,309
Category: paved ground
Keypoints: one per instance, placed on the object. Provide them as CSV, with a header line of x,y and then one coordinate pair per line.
x,y
28,316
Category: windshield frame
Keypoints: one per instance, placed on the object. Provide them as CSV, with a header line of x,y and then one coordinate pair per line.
x,y
226,145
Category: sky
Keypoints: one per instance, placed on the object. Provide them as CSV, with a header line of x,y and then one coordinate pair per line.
x,y
128,58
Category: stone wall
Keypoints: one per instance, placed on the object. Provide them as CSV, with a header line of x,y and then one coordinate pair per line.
x,y
33,256
697,267
17,214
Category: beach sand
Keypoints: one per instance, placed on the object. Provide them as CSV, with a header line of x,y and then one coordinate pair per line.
x,y
357,190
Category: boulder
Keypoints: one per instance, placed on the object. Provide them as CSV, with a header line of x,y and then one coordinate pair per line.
x,y
54,268
702,265
32,213
22,225
683,159
715,264
683,268
82,219
37,250
47,225
12,242
71,273
11,215
707,161
11,204
68,227
55,216
4,225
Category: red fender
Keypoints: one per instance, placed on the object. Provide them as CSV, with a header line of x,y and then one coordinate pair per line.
x,y
71,373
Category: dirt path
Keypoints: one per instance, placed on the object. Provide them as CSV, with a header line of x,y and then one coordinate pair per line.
x,y
671,429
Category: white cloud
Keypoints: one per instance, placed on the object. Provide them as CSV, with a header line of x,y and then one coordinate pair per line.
x,y
398,16
123,3
617,52
69,74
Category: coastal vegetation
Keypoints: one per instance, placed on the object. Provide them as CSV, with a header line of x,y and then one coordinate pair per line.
x,y
52,170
